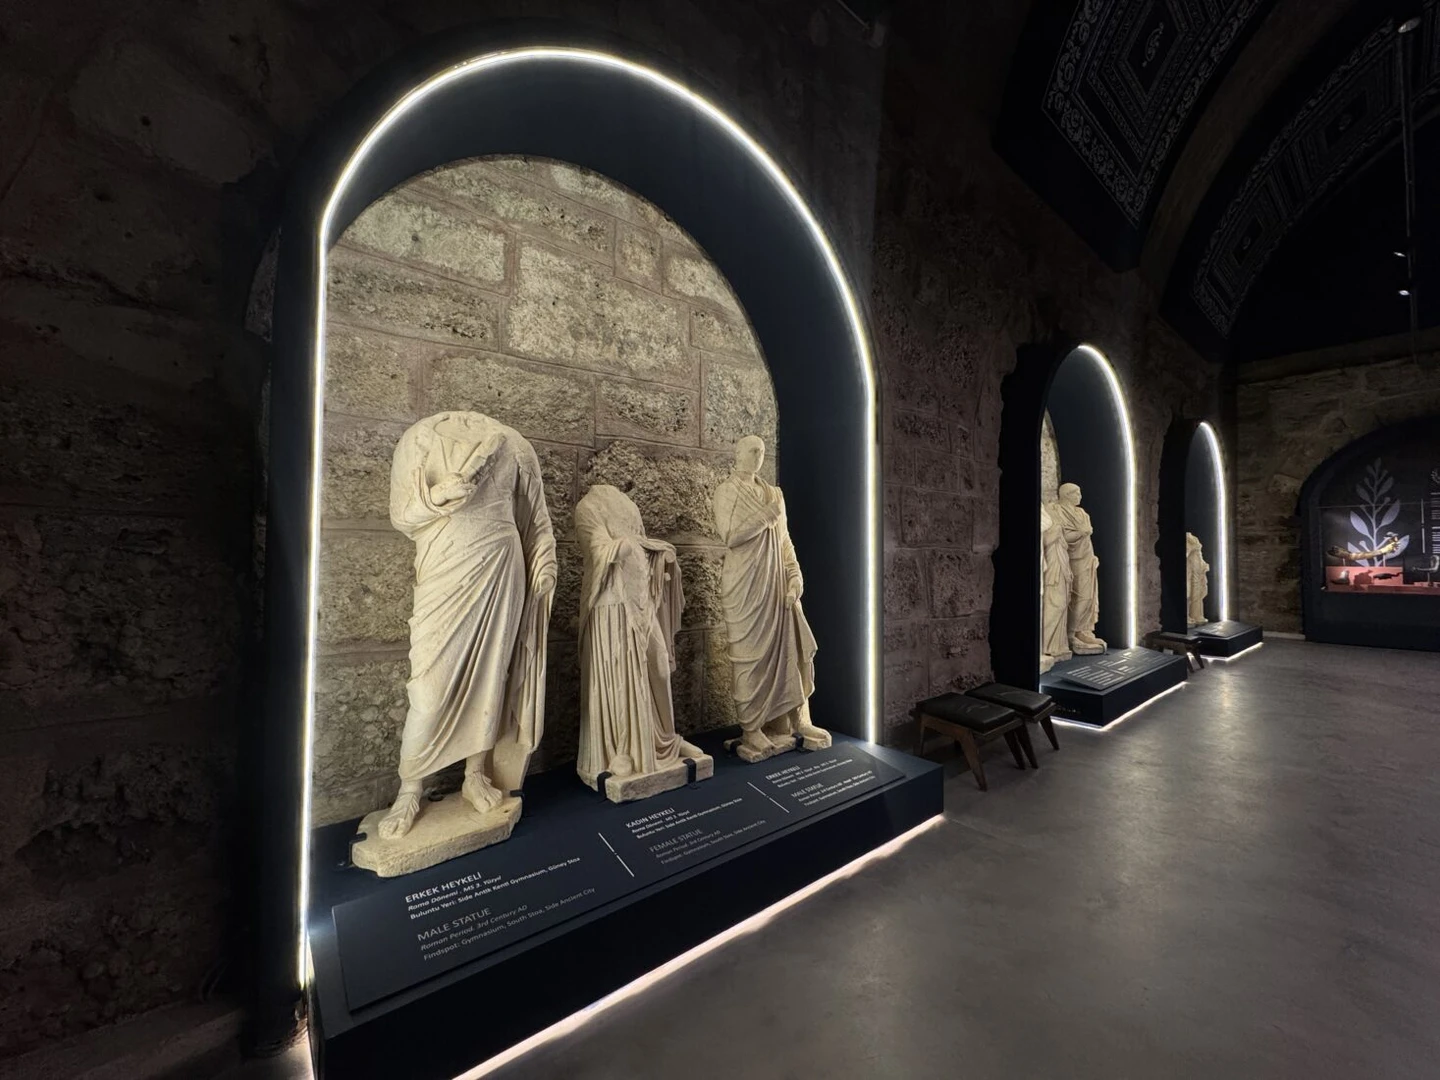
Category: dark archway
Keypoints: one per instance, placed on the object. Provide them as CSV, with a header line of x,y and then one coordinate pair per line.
x,y
1382,484
610,108
1192,500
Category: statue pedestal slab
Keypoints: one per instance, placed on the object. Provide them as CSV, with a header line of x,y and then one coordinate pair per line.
x,y
619,789
443,830
787,743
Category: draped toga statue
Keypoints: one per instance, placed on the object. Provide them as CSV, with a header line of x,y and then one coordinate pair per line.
x,y
1084,568
630,605
1197,581
772,651
1055,581
467,490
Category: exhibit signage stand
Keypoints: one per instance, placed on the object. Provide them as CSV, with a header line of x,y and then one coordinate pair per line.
x,y
1227,637
1099,690
428,974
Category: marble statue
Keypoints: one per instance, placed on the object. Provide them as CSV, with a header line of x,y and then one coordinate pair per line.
x,y
1055,580
1197,581
630,604
772,651
1084,569
467,490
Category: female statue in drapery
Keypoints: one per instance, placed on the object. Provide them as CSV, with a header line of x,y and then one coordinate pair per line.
x,y
1084,569
1056,578
772,651
630,604
467,490
1197,581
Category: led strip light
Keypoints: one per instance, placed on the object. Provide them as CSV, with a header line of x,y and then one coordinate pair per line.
x,y
704,108
1222,513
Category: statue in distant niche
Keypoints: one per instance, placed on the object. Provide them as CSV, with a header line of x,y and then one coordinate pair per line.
x,y
1197,581
1084,570
1055,580
772,651
467,490
630,604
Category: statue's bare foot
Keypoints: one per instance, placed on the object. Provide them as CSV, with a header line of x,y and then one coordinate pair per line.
x,y
402,814
757,742
480,793
807,730
689,749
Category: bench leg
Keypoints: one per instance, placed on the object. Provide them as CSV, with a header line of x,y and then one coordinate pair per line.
x,y
1049,729
972,755
1023,734
1014,744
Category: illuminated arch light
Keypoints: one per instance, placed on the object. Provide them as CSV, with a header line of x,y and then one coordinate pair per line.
x,y
1122,412
704,108
1222,514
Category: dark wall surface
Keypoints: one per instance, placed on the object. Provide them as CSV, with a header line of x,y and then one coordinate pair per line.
x,y
148,149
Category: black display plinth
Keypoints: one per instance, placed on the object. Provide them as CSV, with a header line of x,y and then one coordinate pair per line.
x,y
643,891
1099,690
1227,637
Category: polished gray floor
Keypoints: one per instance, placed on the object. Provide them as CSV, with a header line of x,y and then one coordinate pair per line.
x,y
1241,881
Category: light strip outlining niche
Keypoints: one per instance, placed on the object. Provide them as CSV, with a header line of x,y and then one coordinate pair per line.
x,y
1113,724
1222,513
472,68
1122,414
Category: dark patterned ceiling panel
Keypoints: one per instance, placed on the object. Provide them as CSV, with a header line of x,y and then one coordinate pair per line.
x,y
1101,97
1341,110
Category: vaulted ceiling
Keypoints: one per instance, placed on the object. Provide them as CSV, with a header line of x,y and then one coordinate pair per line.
x,y
1243,154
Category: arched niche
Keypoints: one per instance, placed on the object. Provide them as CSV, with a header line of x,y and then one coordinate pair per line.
x,y
1383,484
1193,499
610,109
1076,387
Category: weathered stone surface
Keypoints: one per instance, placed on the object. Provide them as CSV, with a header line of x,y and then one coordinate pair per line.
x,y
604,194
112,611
367,582
509,199
671,487
696,278
944,472
360,706
904,585
371,292
687,681
560,744
570,567
558,472
919,430
647,411
403,227
538,401
700,576
959,583
739,401
637,256
714,332
959,653
719,680
629,788
445,829
568,311
932,517
346,801
369,374
356,483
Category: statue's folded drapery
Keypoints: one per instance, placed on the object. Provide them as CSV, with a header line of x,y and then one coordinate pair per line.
x,y
478,625
630,605
772,651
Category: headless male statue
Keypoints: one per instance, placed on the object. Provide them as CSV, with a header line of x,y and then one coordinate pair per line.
x,y
1084,568
772,651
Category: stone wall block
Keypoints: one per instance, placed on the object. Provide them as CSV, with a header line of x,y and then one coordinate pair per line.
x,y
905,595
476,186
959,653
559,473
959,583
672,488
714,332
933,517
719,681
919,430
538,401
360,706
695,278
384,296
739,401
371,374
602,193
700,578
402,227
647,411
367,588
687,682
567,311
358,454
637,257
343,802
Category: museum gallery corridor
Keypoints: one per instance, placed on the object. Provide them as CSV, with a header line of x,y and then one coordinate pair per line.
x,y
1239,881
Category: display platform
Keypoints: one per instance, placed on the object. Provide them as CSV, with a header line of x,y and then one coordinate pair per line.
x,y
1227,637
1098,690
429,974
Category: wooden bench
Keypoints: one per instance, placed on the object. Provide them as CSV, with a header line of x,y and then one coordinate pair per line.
x,y
972,723
1186,645
1031,704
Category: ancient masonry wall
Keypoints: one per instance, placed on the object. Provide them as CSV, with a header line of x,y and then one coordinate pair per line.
x,y
1292,415
571,309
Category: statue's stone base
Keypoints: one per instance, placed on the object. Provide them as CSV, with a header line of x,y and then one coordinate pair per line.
x,y
1081,649
778,745
620,789
442,830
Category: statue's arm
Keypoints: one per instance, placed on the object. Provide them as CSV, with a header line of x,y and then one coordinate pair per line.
x,y
412,506
794,580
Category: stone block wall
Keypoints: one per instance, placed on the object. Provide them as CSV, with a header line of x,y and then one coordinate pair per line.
x,y
1293,413
569,308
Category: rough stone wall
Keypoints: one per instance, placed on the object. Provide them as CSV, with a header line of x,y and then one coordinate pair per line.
x,y
969,265
564,305
1288,425
146,150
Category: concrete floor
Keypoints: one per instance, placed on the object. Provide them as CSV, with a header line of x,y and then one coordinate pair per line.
x,y
1243,880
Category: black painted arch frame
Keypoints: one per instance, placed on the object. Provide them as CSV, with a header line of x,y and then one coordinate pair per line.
x,y
605,106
